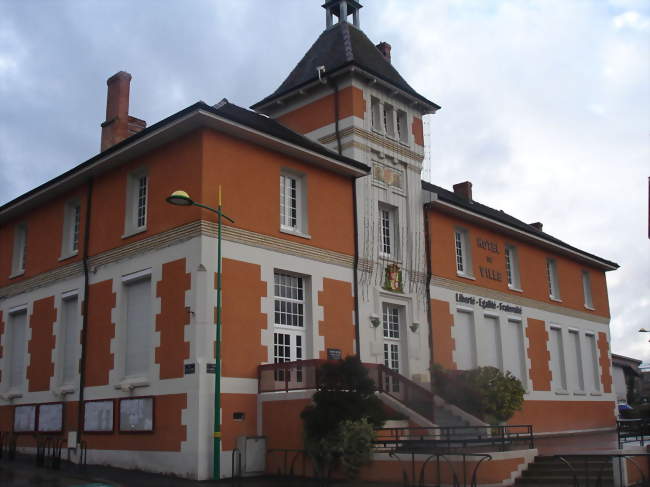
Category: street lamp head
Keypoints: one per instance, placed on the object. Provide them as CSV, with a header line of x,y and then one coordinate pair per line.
x,y
643,330
179,198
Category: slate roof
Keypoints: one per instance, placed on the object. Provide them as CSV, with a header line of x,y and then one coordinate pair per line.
x,y
337,47
269,126
225,109
503,217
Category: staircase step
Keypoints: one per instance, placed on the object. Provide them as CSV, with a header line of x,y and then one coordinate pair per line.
x,y
558,480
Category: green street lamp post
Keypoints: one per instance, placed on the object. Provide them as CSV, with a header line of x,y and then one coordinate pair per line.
x,y
181,198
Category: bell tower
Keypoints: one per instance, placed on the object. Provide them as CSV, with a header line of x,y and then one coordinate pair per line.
x,y
342,9
346,94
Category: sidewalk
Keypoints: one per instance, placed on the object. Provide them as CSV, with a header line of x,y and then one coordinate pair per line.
x,y
22,472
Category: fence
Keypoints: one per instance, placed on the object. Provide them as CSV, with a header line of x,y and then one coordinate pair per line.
x,y
449,438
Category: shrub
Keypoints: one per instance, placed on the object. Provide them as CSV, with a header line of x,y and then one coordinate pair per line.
x,y
339,426
485,392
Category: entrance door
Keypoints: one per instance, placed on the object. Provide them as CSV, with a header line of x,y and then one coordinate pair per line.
x,y
392,318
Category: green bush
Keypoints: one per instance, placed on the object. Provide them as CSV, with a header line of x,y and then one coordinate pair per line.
x,y
339,425
484,392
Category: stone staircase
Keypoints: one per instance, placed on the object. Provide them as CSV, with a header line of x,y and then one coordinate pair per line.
x,y
550,471
445,418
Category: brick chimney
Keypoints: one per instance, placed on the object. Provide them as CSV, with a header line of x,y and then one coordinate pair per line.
x,y
119,125
464,190
384,48
537,226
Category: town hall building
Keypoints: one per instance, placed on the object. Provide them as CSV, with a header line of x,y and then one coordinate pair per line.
x,y
109,295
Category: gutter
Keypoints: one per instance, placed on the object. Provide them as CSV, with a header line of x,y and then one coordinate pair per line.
x,y
84,313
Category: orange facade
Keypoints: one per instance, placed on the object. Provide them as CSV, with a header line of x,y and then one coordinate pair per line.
x,y
243,322
41,345
321,112
488,265
173,319
337,329
558,416
540,357
199,163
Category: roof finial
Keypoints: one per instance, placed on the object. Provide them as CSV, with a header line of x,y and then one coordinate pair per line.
x,y
342,9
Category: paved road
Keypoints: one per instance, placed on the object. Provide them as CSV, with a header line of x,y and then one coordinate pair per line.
x,y
23,473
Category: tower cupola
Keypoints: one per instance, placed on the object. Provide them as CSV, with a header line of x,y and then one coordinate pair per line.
x,y
342,9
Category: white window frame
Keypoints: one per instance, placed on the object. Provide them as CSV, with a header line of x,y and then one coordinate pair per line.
x,y
376,115
388,232
15,390
71,229
591,339
512,267
462,253
587,290
19,255
561,352
63,338
137,208
552,280
141,380
388,114
401,124
299,227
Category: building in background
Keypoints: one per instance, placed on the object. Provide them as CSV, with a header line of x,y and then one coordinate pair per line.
x,y
107,294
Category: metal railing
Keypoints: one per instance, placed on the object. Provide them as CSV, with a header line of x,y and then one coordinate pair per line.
x,y
414,396
458,474
449,438
7,445
303,374
633,431
590,470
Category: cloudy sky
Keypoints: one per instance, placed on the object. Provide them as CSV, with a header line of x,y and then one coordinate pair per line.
x,y
546,104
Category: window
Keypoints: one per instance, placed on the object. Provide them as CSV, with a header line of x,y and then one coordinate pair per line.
x,y
69,338
586,289
512,267
551,274
465,339
515,358
558,368
19,258
289,300
375,113
292,203
577,373
402,127
17,350
392,356
289,334
592,379
491,352
139,326
136,202
389,120
71,220
388,230
463,258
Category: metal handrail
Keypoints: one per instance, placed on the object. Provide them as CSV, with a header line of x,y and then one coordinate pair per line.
x,y
481,457
632,431
303,375
596,456
450,437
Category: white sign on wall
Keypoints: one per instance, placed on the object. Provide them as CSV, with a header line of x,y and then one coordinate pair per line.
x,y
50,417
136,414
98,416
24,418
